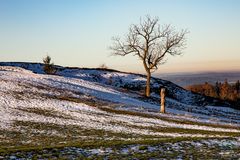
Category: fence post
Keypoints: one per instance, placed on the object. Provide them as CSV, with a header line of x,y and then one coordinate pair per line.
x,y
162,95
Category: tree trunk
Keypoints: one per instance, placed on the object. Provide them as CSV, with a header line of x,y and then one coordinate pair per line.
x,y
162,94
147,93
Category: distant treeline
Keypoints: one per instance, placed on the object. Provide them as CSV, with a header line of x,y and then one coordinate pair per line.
x,y
223,91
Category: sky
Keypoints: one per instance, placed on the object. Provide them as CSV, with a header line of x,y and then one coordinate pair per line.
x,y
79,32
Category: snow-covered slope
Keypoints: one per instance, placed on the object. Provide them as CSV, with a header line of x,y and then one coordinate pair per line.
x,y
133,82
89,99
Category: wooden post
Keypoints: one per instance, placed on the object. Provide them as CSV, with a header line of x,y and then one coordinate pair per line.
x,y
162,95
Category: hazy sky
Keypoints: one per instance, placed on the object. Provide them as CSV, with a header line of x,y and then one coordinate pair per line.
x,y
79,32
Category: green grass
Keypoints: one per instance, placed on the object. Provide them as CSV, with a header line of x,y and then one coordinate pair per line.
x,y
70,134
94,144
187,152
73,136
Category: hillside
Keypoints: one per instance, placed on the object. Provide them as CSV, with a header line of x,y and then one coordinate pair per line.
x,y
85,112
130,81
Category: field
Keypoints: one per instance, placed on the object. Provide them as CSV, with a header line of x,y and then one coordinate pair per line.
x,y
89,113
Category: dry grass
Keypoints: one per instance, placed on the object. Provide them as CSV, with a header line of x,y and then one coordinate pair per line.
x,y
149,115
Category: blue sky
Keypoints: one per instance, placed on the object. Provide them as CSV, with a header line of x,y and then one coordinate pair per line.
x,y
79,32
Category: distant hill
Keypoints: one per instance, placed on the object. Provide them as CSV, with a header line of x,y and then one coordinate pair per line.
x,y
186,79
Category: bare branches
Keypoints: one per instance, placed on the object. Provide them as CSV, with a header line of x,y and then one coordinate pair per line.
x,y
151,42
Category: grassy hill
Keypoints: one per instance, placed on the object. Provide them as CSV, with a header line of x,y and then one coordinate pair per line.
x,y
89,113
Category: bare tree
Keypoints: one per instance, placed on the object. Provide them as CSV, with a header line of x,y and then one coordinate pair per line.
x,y
151,42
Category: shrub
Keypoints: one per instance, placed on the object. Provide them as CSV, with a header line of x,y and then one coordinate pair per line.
x,y
48,67
103,66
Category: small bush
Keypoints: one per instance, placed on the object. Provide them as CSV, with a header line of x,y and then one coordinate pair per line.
x,y
48,67
103,66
